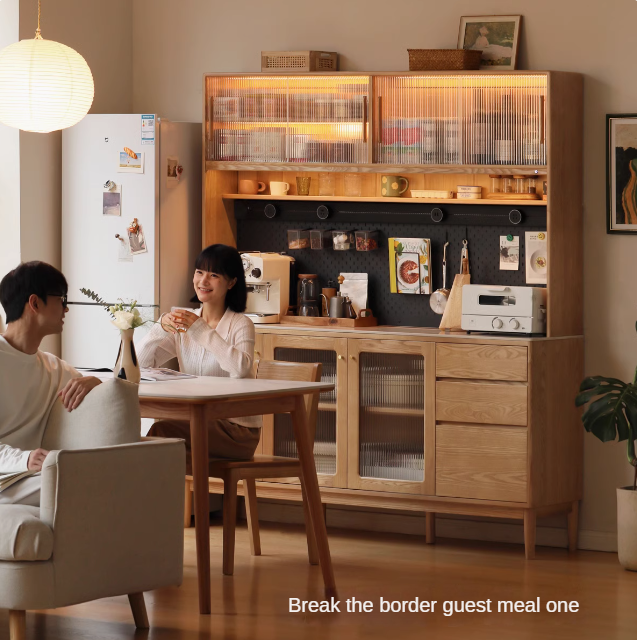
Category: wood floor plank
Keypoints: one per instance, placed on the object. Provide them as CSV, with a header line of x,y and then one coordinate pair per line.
x,y
254,602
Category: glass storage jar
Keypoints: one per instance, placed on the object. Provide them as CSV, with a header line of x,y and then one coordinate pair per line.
x,y
507,185
366,240
298,239
320,239
342,240
531,185
520,184
496,184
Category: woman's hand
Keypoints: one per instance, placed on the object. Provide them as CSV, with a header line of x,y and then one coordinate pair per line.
x,y
183,319
169,323
76,390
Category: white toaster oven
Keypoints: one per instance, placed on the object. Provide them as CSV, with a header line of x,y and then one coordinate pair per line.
x,y
503,309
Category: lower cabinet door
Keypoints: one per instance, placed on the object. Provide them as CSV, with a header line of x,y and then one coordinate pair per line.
x,y
330,442
391,416
487,463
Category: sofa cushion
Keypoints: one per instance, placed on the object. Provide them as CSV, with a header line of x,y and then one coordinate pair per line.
x,y
109,415
23,536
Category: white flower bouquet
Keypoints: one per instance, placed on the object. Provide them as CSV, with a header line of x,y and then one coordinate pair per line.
x,y
125,314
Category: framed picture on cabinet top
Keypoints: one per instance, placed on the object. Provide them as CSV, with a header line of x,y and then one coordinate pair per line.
x,y
496,36
621,173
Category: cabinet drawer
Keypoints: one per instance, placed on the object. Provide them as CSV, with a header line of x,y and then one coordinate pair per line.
x,y
482,402
481,362
487,463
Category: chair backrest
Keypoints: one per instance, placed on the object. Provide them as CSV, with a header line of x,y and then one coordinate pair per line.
x,y
299,371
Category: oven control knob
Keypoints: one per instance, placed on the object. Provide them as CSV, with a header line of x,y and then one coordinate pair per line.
x,y
514,323
497,323
256,273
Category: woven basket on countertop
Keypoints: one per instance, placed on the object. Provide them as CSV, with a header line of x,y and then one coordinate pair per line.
x,y
444,59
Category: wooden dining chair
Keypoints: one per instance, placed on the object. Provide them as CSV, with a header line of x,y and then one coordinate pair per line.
x,y
260,466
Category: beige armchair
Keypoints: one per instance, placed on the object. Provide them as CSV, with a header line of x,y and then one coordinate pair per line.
x,y
110,520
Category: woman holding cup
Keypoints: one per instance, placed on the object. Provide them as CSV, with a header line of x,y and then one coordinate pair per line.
x,y
214,340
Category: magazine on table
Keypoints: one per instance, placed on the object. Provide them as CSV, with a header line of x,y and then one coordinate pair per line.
x,y
8,479
148,374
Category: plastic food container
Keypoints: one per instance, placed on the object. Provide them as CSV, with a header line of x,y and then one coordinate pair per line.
x,y
320,239
298,239
342,240
366,240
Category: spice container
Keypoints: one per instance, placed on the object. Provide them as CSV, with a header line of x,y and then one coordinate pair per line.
x,y
531,184
298,239
366,240
342,240
507,185
320,239
496,184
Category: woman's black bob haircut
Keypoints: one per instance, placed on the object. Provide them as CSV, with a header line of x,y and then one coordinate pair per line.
x,y
224,260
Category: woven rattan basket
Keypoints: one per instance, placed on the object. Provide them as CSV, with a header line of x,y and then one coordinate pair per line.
x,y
444,59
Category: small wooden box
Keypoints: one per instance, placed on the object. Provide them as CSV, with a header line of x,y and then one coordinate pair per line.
x,y
298,61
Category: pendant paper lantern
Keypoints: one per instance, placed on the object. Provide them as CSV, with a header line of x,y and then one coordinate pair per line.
x,y
44,85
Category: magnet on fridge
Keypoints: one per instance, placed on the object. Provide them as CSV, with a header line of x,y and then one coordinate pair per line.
x,y
109,185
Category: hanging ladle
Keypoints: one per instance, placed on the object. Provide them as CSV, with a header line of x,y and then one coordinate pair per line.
x,y
438,299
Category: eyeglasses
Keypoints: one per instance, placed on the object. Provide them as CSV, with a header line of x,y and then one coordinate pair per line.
x,y
64,298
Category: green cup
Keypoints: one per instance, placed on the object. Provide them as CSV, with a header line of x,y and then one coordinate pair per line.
x,y
390,186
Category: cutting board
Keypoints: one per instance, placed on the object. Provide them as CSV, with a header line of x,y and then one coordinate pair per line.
x,y
452,317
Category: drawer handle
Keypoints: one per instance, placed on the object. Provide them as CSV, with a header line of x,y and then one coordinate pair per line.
x,y
352,358
340,357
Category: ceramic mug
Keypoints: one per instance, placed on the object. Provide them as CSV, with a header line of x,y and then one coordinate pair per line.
x,y
279,188
389,186
251,187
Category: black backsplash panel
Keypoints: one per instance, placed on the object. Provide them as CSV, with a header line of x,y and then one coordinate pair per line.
x,y
482,225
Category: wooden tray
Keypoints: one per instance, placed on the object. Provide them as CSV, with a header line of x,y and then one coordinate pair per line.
x,y
331,322
512,196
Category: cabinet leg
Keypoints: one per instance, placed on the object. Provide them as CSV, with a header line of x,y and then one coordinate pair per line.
x,y
430,528
529,534
573,524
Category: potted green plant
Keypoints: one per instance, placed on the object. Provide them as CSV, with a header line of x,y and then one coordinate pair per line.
x,y
611,413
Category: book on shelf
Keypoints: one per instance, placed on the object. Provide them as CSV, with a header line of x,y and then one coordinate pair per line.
x,y
9,479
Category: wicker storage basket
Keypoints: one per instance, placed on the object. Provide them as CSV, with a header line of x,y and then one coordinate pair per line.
x,y
444,59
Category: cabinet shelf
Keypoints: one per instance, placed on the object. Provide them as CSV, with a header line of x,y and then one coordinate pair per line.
x,y
393,411
231,165
525,203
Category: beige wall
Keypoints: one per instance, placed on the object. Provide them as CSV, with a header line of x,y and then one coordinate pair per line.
x,y
174,45
30,184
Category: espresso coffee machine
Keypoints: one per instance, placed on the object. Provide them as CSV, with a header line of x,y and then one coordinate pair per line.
x,y
268,281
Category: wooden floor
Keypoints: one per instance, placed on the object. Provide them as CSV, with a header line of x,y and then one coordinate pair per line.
x,y
254,602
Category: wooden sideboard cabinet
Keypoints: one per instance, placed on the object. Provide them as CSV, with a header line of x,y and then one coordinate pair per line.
x,y
423,421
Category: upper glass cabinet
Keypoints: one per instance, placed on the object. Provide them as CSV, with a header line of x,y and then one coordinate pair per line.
x,y
317,119
490,119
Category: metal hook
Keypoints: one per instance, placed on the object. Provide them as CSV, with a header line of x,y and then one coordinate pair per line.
x,y
119,237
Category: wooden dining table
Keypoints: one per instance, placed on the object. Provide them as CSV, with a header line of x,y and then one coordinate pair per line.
x,y
199,400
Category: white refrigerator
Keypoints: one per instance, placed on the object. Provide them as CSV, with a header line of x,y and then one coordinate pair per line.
x,y
168,212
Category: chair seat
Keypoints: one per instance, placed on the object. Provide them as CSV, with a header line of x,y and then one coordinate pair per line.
x,y
23,536
257,462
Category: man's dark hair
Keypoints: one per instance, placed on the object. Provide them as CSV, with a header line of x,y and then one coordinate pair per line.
x,y
225,260
30,278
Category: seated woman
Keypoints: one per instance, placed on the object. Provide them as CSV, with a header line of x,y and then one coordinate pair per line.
x,y
215,340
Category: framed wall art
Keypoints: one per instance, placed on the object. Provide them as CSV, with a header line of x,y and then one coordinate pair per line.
x,y
496,36
621,173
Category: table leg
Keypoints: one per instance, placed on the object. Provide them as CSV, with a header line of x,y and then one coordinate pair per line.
x,y
308,468
199,455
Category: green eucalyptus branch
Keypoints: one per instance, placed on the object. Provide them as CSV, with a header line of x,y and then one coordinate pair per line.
x,y
93,296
